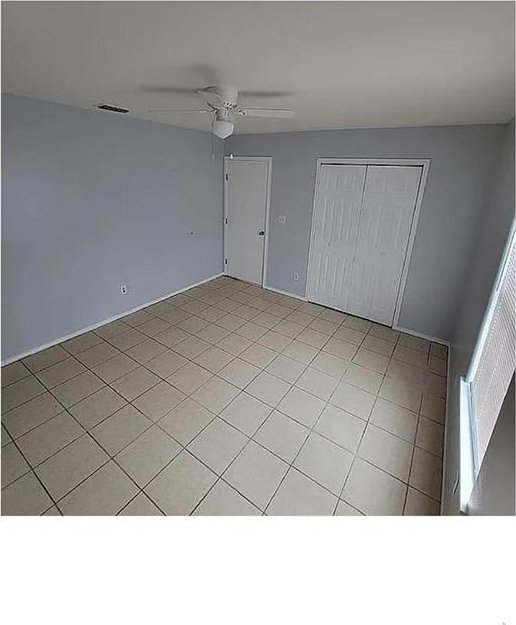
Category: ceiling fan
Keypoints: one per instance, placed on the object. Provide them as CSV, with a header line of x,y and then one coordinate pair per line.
x,y
222,102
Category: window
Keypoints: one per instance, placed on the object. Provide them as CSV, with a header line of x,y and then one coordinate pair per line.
x,y
492,367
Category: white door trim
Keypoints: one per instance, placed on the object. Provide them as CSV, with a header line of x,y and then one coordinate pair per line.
x,y
268,160
424,163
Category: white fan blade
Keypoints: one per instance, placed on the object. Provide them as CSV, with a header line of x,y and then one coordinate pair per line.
x,y
284,113
179,111
265,94
173,90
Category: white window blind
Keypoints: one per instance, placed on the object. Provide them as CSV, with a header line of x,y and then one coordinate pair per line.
x,y
493,363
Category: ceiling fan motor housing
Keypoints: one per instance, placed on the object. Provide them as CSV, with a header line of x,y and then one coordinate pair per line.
x,y
225,96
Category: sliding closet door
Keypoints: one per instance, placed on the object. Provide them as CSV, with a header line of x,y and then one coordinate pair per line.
x,y
334,233
385,221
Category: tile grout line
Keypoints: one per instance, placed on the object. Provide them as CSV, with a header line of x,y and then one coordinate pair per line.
x,y
212,373
239,389
31,470
87,432
156,423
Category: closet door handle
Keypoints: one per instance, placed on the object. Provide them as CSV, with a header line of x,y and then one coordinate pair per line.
x,y
261,233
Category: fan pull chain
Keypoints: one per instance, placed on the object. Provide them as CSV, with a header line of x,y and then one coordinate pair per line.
x,y
212,150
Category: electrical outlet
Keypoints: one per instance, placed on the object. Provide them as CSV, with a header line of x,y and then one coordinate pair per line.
x,y
295,276
123,289
282,219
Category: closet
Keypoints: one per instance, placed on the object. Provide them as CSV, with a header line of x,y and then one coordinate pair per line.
x,y
361,224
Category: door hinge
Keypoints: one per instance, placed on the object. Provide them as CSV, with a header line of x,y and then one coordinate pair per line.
x,y
225,261
227,177
226,220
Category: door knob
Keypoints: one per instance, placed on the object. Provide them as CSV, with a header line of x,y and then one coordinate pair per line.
x,y
261,233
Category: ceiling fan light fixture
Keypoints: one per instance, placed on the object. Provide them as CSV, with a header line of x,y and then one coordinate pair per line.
x,y
222,125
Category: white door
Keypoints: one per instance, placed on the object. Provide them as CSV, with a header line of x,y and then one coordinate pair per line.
x,y
246,208
360,231
334,234
385,221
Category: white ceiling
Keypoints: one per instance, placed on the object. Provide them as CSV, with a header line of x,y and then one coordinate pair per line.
x,y
347,64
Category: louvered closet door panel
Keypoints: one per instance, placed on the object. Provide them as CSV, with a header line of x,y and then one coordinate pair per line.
x,y
334,233
385,221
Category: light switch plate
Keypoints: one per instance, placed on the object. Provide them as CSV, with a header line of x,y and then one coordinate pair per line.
x,y
282,219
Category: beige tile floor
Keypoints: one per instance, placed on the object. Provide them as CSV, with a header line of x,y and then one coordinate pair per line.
x,y
226,400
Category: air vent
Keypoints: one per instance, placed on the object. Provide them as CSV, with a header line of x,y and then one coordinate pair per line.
x,y
113,109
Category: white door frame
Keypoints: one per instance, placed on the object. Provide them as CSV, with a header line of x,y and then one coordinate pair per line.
x,y
268,160
401,162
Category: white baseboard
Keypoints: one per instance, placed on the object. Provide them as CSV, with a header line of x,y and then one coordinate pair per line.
x,y
434,339
40,348
270,288
446,425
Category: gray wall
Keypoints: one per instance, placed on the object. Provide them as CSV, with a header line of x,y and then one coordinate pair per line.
x,y
483,262
494,488
460,176
91,201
